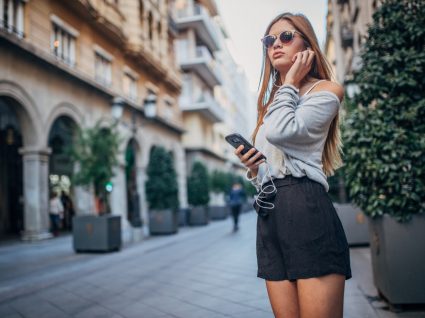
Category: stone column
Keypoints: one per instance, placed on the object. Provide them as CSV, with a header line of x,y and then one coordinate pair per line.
x,y
180,166
36,193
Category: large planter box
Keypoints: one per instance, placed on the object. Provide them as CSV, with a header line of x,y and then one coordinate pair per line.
x,y
163,222
92,233
218,212
183,216
198,216
355,223
398,258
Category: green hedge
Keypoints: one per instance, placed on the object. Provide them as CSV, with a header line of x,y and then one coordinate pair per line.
x,y
161,186
384,136
198,185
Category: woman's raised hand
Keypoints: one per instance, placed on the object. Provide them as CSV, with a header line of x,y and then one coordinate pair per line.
x,y
302,65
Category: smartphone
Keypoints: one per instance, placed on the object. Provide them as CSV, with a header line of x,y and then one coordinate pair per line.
x,y
236,140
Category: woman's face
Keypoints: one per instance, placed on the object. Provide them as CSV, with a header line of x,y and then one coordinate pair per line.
x,y
281,54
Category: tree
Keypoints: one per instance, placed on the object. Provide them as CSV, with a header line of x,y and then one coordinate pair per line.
x,y
161,186
385,133
94,151
198,185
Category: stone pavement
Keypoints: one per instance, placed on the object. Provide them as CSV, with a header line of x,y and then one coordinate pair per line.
x,y
206,272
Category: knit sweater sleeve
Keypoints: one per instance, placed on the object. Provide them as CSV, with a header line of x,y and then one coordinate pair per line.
x,y
298,129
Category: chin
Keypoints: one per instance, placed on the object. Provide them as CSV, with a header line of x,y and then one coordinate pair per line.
x,y
281,66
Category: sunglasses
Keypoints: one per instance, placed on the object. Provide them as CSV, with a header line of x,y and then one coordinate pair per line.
x,y
284,37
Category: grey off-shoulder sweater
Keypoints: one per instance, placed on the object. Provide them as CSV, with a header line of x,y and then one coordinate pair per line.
x,y
293,135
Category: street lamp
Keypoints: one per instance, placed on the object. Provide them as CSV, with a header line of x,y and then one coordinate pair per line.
x,y
117,108
150,105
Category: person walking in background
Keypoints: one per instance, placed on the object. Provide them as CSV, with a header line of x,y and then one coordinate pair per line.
x,y
236,199
55,212
68,210
302,250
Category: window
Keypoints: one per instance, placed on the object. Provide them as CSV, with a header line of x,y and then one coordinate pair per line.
x,y
130,84
103,68
12,16
63,40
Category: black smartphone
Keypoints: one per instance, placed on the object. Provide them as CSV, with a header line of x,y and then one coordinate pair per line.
x,y
236,140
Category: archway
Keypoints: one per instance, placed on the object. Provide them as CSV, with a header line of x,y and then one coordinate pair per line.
x,y
133,199
60,166
11,178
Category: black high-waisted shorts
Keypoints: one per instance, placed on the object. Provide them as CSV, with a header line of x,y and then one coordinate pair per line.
x,y
302,236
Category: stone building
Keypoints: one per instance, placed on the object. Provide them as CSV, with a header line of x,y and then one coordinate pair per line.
x,y
67,64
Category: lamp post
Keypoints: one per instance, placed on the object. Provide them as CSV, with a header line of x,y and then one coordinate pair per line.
x,y
117,110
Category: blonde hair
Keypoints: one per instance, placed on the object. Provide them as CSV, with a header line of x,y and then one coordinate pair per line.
x,y
320,69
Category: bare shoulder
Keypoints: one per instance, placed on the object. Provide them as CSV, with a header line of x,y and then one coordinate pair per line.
x,y
333,87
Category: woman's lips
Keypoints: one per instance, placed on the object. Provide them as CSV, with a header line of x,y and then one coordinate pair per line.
x,y
278,54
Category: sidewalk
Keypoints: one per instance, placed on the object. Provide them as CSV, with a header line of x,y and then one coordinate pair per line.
x,y
201,272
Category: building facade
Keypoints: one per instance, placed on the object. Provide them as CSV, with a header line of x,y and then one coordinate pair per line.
x,y
64,65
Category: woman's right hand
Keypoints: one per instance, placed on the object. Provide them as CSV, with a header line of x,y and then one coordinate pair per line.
x,y
250,161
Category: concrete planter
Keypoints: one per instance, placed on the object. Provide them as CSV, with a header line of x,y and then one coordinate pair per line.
x,y
163,222
183,216
398,258
218,212
355,223
198,215
92,233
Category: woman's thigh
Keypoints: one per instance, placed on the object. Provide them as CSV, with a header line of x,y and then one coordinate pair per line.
x,y
283,298
321,297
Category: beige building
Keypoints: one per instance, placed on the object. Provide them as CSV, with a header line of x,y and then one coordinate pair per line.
x,y
67,64
347,23
196,46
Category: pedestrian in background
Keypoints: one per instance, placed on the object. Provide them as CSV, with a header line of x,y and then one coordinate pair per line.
x,y
55,212
236,199
302,250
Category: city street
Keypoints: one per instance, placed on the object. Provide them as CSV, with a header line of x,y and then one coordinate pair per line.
x,y
200,272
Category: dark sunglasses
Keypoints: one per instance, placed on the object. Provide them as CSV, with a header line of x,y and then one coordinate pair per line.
x,y
284,37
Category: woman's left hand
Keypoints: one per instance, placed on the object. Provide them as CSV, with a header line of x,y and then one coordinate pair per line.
x,y
302,65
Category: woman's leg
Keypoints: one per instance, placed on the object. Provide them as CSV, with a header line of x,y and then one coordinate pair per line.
x,y
321,297
283,298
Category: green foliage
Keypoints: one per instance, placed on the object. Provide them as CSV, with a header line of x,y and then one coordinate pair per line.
x,y
198,185
94,151
161,186
218,182
384,135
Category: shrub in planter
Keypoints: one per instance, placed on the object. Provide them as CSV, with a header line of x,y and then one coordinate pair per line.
x,y
218,209
385,146
198,188
94,151
162,192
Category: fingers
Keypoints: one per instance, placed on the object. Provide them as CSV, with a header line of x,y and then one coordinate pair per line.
x,y
249,159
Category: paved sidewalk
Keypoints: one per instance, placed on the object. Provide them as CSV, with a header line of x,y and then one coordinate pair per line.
x,y
205,272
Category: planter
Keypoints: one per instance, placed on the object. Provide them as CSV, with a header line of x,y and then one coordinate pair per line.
x,y
198,215
92,233
398,258
218,212
183,216
163,222
354,222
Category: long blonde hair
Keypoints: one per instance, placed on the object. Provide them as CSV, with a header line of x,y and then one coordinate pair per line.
x,y
320,69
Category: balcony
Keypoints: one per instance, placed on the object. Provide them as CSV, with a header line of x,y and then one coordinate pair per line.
x,y
202,64
197,18
206,105
104,14
346,35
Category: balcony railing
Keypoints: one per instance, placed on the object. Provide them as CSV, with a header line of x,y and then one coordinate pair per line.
x,y
207,105
203,64
199,19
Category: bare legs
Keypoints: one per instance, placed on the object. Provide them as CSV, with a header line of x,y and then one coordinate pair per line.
x,y
319,297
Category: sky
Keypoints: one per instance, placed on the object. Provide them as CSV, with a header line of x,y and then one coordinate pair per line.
x,y
246,20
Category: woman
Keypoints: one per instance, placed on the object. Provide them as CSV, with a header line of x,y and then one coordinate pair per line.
x,y
302,251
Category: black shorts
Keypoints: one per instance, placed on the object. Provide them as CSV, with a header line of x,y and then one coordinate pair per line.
x,y
302,236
